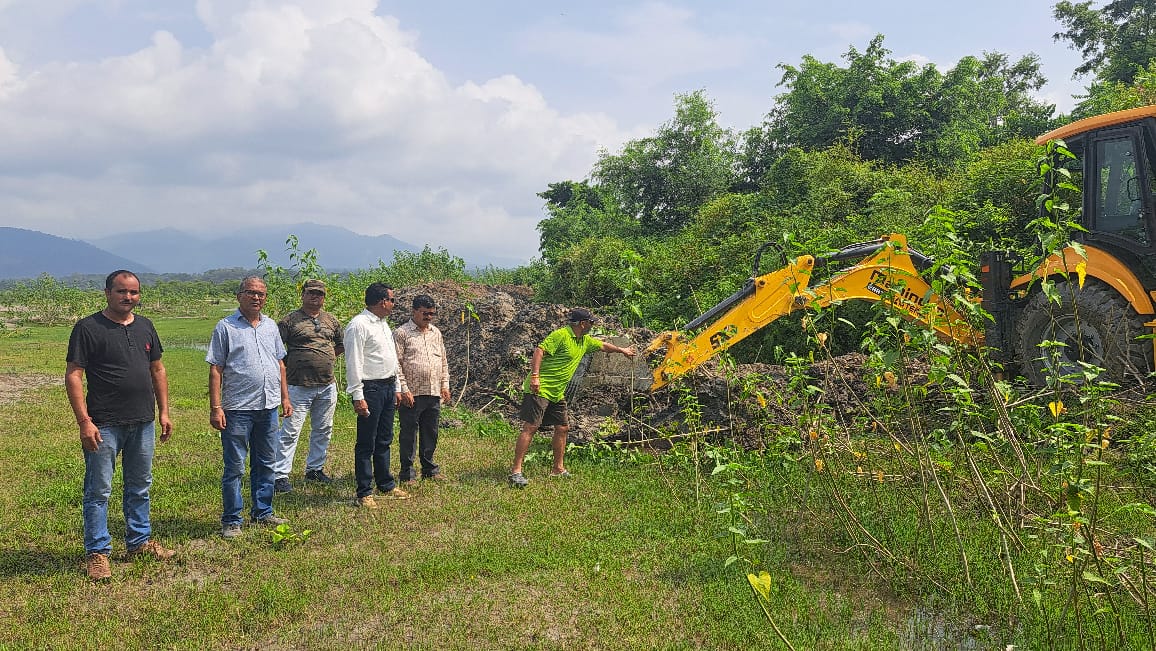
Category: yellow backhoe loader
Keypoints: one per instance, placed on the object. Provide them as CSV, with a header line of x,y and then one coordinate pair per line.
x,y
1106,285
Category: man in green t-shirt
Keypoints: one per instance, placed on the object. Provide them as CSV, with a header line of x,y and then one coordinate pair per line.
x,y
544,400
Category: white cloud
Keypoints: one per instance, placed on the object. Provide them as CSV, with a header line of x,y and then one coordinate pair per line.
x,y
305,110
647,46
8,75
918,59
852,33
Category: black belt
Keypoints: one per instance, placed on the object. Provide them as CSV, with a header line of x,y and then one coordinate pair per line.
x,y
383,381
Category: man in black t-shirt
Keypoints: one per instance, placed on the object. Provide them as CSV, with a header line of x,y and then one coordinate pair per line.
x,y
119,354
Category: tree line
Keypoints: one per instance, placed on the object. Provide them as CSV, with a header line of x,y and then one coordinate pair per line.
x,y
667,226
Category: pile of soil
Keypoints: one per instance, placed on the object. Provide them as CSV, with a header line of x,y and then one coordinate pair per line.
x,y
490,333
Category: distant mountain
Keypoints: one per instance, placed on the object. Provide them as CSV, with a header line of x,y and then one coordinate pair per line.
x,y
171,251
27,254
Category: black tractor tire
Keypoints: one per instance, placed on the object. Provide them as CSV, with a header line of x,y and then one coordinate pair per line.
x,y
1097,326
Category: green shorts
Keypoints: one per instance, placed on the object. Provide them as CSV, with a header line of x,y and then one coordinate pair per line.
x,y
537,410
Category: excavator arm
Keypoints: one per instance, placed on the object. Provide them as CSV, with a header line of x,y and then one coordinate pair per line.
x,y
886,271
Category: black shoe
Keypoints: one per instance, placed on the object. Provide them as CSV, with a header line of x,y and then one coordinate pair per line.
x,y
282,485
318,476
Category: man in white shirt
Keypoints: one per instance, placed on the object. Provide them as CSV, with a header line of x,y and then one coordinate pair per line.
x,y
371,373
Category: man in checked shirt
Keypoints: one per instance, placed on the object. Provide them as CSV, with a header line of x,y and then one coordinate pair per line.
x,y
425,384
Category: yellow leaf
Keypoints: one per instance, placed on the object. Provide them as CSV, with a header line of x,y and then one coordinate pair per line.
x,y
897,448
1081,271
761,399
822,337
819,465
1071,559
1056,408
891,380
859,470
879,476
814,434
761,584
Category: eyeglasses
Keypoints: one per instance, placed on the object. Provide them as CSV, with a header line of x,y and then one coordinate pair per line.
x,y
315,292
253,293
387,299
316,325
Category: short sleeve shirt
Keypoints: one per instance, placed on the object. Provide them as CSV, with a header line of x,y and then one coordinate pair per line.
x,y
311,347
117,362
249,359
422,356
563,352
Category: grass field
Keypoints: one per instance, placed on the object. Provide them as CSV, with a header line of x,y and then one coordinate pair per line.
x,y
611,559
628,554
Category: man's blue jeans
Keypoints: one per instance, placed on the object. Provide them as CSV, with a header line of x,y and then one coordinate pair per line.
x,y
135,444
318,403
374,436
248,432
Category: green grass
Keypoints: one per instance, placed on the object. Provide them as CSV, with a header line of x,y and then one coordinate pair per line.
x,y
628,554
606,560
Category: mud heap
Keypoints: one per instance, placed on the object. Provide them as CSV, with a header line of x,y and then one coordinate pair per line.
x,y
490,333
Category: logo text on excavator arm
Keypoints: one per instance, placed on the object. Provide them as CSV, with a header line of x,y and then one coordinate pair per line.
x,y
880,284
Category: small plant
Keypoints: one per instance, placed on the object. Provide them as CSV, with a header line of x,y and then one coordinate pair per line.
x,y
284,536
285,284
471,313
761,584
629,280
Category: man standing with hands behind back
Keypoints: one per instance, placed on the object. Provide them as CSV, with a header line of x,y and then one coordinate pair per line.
x,y
425,386
246,383
371,374
120,355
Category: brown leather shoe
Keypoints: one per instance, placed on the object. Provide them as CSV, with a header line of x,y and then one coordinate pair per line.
x,y
440,477
97,566
152,549
397,494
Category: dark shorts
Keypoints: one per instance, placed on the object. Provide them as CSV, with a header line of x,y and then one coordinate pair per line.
x,y
537,410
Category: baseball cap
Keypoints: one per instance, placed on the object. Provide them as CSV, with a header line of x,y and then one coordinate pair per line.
x,y
313,284
581,314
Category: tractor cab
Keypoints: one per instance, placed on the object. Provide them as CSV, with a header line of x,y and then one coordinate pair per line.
x,y
1115,157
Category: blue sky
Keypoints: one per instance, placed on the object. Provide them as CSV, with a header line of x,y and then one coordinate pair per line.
x,y
435,122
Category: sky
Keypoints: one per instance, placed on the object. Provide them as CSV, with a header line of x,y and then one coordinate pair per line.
x,y
434,122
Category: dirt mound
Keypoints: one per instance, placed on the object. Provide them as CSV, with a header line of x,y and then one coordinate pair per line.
x,y
490,333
